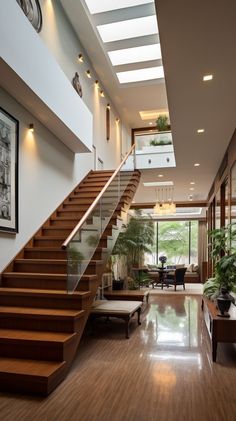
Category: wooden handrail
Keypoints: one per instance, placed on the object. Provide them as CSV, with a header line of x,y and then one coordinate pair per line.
x,y
92,206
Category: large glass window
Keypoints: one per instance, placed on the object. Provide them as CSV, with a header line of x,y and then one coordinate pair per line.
x,y
178,240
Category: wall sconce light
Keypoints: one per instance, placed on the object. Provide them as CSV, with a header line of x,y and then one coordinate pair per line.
x,y
102,94
88,74
117,120
81,58
31,127
108,107
96,83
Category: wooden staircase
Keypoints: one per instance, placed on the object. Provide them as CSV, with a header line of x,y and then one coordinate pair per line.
x,y
40,323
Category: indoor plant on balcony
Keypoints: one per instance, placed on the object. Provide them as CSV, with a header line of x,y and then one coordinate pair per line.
x,y
162,123
223,252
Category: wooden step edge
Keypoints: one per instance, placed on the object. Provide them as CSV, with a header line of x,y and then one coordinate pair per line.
x,y
45,293
43,313
16,335
29,367
40,275
51,261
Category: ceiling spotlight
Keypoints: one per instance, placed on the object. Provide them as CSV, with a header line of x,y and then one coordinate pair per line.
x,y
160,175
196,164
102,94
190,197
191,188
207,77
81,58
192,182
150,123
108,106
201,130
31,127
88,74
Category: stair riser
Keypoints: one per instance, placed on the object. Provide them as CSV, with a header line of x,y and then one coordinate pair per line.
x,y
63,232
49,325
41,302
43,242
37,350
33,283
77,215
35,254
62,223
40,267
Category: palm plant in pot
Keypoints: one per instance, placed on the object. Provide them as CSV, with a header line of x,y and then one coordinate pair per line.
x,y
223,252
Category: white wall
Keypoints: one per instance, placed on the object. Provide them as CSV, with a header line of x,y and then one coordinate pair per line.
x,y
48,171
62,41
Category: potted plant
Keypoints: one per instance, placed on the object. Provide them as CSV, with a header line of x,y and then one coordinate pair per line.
x,y
223,252
162,123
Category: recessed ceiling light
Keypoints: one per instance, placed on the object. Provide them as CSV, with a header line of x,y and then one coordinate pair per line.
x,y
130,28
100,6
160,175
207,77
150,123
192,182
196,164
138,75
201,130
135,54
191,188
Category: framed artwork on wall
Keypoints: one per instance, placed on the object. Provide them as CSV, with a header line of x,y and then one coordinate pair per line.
x,y
32,11
9,139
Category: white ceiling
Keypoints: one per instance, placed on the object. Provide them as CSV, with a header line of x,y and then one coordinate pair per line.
x,y
197,38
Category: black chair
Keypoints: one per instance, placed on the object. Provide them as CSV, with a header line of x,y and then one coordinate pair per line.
x,y
178,278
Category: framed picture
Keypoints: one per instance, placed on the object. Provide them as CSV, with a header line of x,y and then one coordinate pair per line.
x,y
9,139
32,11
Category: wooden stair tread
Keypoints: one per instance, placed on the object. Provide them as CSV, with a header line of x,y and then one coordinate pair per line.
x,y
29,367
44,292
40,336
50,261
41,312
43,275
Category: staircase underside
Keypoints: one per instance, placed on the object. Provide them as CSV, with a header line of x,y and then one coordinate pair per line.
x,y
40,323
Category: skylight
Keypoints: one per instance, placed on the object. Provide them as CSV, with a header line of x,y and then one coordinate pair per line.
x,y
99,6
135,54
138,75
130,28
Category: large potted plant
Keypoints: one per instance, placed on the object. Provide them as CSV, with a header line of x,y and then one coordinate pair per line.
x,y
223,253
162,123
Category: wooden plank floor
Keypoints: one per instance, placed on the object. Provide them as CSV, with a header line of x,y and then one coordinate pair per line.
x,y
163,372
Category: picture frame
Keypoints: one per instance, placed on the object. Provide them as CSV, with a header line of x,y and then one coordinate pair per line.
x,y
9,144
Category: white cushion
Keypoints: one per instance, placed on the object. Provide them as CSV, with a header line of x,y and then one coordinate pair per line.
x,y
115,306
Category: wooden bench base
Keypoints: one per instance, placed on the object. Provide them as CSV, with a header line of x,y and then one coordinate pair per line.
x,y
124,310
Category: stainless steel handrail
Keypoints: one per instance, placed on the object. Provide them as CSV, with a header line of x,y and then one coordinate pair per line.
x,y
92,206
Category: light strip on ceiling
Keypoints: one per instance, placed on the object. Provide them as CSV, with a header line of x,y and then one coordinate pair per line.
x,y
135,54
158,183
99,6
138,75
153,114
131,28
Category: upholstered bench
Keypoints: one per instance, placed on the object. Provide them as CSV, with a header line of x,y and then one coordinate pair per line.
x,y
127,294
120,309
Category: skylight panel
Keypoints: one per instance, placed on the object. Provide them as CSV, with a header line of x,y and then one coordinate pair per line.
x,y
131,28
138,75
99,6
135,54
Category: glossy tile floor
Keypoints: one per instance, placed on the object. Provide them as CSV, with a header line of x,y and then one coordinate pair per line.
x,y
163,372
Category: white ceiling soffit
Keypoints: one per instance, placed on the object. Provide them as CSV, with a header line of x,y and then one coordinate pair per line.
x,y
100,6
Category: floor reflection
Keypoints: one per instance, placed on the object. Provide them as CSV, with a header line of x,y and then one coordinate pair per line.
x,y
173,326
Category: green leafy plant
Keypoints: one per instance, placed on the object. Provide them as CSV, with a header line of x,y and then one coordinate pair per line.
x,y
223,252
162,123
135,241
155,142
